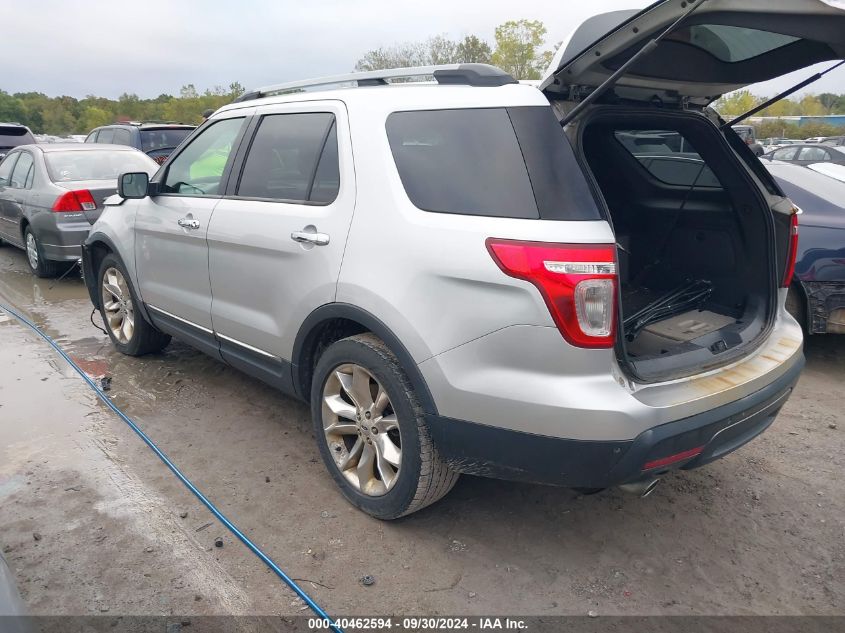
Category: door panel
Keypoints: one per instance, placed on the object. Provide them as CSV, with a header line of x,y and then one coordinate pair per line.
x,y
171,252
273,262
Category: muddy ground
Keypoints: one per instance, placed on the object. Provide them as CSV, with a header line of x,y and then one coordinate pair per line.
x,y
91,522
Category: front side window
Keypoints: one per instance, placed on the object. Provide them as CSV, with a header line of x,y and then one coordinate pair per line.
x,y
787,153
6,167
92,137
122,137
668,156
293,158
21,171
106,135
198,169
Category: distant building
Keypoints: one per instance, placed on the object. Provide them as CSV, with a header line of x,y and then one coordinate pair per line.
x,y
830,119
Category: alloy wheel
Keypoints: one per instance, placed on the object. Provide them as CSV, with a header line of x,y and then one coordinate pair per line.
x,y
32,251
117,306
361,430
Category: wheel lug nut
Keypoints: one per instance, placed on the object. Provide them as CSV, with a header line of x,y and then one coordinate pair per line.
x,y
374,430
368,415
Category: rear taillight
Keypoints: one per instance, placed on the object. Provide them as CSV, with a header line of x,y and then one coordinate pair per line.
x,y
793,250
577,281
80,200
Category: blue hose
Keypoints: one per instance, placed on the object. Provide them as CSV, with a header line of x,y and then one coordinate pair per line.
x,y
173,468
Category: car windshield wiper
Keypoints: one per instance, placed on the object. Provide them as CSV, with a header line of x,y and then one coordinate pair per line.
x,y
685,297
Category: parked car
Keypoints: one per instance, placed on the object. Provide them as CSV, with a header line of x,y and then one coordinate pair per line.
x,y
827,140
749,135
831,170
771,144
478,312
817,295
51,194
807,154
157,139
12,135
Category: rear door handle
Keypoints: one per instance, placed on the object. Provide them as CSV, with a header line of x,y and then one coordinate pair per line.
x,y
306,237
187,223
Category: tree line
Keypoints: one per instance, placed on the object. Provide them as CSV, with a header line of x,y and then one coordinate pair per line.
x,y
518,47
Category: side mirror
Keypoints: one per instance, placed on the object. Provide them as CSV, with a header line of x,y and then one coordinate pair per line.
x,y
133,186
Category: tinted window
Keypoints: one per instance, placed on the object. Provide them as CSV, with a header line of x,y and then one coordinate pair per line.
x,y
668,156
813,153
731,43
106,135
14,135
198,169
787,153
462,161
6,168
327,178
94,164
167,138
92,137
122,137
282,160
21,171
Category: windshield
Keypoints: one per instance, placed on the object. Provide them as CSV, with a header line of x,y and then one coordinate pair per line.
x,y
95,164
164,138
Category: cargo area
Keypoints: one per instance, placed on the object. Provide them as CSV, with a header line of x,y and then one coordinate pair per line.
x,y
693,242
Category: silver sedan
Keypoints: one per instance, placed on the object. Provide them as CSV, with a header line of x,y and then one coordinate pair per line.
x,y
50,195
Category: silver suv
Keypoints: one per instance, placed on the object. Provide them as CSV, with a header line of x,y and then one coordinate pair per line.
x,y
581,284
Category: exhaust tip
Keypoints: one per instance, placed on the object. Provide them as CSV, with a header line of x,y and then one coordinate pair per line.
x,y
640,488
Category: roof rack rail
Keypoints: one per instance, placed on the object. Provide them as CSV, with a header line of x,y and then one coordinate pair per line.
x,y
455,74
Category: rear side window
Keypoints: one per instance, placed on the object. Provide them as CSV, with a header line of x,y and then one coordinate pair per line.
x,y
668,156
813,153
496,162
293,158
106,135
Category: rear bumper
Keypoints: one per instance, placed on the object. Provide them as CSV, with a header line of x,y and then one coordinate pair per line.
x,y
478,449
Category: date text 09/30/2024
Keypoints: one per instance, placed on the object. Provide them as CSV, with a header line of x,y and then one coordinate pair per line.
x,y
420,624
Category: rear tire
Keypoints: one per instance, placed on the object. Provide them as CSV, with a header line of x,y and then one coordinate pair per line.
x,y
39,266
371,430
127,328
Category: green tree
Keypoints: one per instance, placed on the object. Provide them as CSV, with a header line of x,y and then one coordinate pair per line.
x,y
472,50
517,48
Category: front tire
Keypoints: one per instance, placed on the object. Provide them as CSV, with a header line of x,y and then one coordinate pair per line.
x,y
39,266
371,431
127,328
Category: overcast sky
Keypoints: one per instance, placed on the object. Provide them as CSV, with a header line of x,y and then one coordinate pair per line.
x,y
108,47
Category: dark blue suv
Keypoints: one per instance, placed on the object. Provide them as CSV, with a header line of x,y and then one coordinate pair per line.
x,y
157,139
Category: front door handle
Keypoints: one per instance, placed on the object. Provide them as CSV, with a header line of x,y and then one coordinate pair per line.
x,y
187,223
306,237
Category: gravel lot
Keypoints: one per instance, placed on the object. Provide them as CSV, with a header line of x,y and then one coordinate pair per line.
x,y
91,522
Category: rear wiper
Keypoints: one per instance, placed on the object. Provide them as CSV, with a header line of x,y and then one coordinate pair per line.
x,y
682,299
780,96
610,81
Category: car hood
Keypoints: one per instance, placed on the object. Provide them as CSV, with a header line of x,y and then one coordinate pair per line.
x,y
722,46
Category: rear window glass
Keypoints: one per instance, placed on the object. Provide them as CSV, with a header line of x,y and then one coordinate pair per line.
x,y
498,162
668,156
731,43
13,135
162,139
94,164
